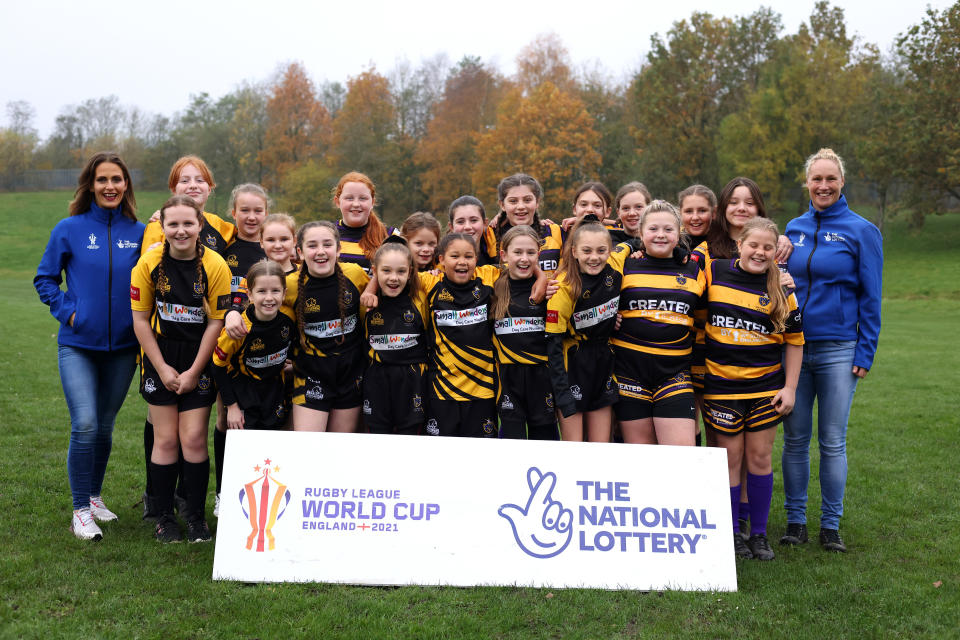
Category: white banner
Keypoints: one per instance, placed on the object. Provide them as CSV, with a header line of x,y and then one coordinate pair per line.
x,y
396,510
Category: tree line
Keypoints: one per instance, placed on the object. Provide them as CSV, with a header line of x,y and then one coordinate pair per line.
x,y
715,97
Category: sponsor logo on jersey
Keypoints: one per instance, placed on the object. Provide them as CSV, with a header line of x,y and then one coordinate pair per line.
x,y
408,316
172,312
548,265
284,333
330,328
376,319
393,341
476,293
198,288
729,322
461,317
223,302
630,390
135,293
518,325
348,297
432,428
257,345
799,242
721,416
417,403
233,262
235,282
595,315
552,316
211,240
127,244
163,284
764,300
315,393
833,237
654,304
575,392
608,281
149,385
505,402
204,383
262,362
445,296
93,242
311,306
681,279
220,353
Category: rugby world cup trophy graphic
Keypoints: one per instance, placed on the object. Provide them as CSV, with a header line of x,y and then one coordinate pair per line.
x,y
263,500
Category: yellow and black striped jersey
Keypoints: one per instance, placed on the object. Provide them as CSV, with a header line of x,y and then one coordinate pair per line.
x,y
397,330
658,298
551,244
593,315
259,355
325,333
519,336
182,297
240,256
744,352
215,234
350,251
461,360
701,255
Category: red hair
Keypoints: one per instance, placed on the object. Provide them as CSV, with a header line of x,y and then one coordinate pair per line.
x,y
376,232
178,166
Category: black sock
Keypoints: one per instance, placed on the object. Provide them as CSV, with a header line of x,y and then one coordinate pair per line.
x,y
147,452
219,445
181,492
164,477
196,479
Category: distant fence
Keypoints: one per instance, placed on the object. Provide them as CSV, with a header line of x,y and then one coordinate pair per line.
x,y
53,179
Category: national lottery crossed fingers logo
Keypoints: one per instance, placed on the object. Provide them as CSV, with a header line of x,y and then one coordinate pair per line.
x,y
543,527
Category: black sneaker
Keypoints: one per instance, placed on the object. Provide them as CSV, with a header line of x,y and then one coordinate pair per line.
x,y
796,533
830,540
740,548
167,529
198,531
150,511
760,548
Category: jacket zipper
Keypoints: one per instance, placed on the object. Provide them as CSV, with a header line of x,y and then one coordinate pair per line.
x,y
109,282
816,240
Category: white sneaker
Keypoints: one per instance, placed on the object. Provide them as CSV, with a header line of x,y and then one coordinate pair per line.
x,y
83,525
100,511
216,506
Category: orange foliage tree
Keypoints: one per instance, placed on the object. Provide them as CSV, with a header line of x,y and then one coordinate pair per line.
x,y
298,125
547,134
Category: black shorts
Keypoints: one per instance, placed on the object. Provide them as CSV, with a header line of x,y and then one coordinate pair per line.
x,y
263,402
525,397
394,398
334,382
731,417
466,418
672,398
590,372
179,355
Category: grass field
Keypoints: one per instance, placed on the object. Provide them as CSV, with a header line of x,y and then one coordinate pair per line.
x,y
900,578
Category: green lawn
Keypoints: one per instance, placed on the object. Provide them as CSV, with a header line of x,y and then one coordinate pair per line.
x,y
900,578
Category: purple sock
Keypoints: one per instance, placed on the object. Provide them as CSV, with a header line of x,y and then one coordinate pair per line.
x,y
759,493
744,510
734,502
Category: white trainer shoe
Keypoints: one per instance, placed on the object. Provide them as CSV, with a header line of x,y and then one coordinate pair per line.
x,y
216,506
100,511
83,525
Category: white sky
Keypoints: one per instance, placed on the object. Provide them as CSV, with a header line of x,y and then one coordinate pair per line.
x,y
155,54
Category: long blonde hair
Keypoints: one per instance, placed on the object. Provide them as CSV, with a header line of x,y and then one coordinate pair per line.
x,y
779,305
501,288
569,267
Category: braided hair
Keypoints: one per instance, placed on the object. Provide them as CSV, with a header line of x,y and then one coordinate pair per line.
x,y
304,273
199,283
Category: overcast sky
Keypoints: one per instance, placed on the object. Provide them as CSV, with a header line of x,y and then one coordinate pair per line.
x,y
156,54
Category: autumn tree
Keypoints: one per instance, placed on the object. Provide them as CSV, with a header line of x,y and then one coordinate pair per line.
x,y
298,125
17,143
248,130
931,149
546,59
447,152
607,105
547,134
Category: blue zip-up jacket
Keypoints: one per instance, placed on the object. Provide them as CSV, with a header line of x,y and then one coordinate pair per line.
x,y
837,263
97,250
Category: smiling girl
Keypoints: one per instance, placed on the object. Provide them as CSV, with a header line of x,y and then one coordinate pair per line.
x,y
248,372
361,231
179,293
467,215
422,233
329,358
752,326
519,197
631,200
278,238
580,320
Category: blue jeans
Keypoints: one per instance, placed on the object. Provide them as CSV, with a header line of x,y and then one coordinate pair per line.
x,y
95,384
827,375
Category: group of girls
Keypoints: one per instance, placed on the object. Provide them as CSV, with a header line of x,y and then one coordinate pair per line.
x,y
493,329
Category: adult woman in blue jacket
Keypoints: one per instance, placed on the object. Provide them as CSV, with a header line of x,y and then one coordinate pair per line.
x,y
837,263
96,247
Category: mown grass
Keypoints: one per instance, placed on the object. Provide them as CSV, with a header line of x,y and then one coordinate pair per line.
x,y
901,523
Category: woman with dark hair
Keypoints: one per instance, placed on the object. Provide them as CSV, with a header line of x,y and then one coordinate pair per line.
x,y
838,266
95,248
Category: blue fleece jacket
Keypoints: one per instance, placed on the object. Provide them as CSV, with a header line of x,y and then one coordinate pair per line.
x,y
96,250
837,263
